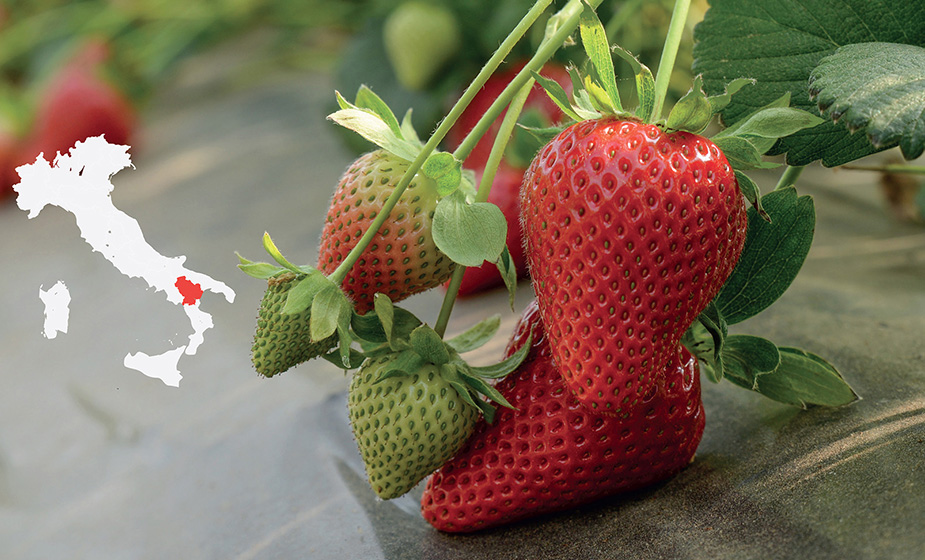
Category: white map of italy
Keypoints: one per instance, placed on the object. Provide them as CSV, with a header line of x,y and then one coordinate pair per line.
x,y
80,183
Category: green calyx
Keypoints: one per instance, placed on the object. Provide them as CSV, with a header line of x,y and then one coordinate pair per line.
x,y
413,345
297,297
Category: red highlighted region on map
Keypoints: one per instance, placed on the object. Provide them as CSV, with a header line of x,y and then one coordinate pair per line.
x,y
191,292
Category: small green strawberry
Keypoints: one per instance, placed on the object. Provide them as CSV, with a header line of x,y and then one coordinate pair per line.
x,y
402,258
302,315
283,340
415,401
420,39
407,426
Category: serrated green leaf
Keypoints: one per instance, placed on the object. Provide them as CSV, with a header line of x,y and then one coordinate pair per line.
x,y
558,95
773,255
719,102
374,129
751,193
469,234
780,42
645,84
428,344
693,112
475,336
445,170
594,40
880,86
803,378
748,357
303,291
367,99
330,308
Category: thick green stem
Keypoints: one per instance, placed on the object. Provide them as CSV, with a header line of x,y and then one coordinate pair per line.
x,y
567,20
669,53
496,59
889,168
789,177
488,177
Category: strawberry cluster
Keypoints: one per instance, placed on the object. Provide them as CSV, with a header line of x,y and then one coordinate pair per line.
x,y
642,251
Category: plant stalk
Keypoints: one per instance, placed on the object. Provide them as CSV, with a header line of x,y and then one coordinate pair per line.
x,y
488,177
669,53
568,18
503,50
789,177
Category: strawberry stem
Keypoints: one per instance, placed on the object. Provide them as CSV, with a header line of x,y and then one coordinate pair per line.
x,y
669,53
496,59
568,18
789,177
488,177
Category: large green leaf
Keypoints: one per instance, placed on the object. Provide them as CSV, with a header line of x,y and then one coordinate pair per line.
x,y
880,86
773,255
780,42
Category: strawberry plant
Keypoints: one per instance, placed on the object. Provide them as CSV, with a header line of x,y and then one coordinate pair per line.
x,y
645,239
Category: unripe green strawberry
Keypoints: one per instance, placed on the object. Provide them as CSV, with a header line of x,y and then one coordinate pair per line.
x,y
402,258
630,232
406,426
283,340
420,38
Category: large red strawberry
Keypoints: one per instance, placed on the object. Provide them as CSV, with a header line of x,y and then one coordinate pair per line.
x,y
77,103
402,258
630,232
551,453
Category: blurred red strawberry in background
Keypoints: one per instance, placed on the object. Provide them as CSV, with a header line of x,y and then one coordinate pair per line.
x,y
76,103
539,111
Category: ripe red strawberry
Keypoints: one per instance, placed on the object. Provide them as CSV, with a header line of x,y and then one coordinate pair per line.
x,y
505,193
551,453
402,259
77,103
630,232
